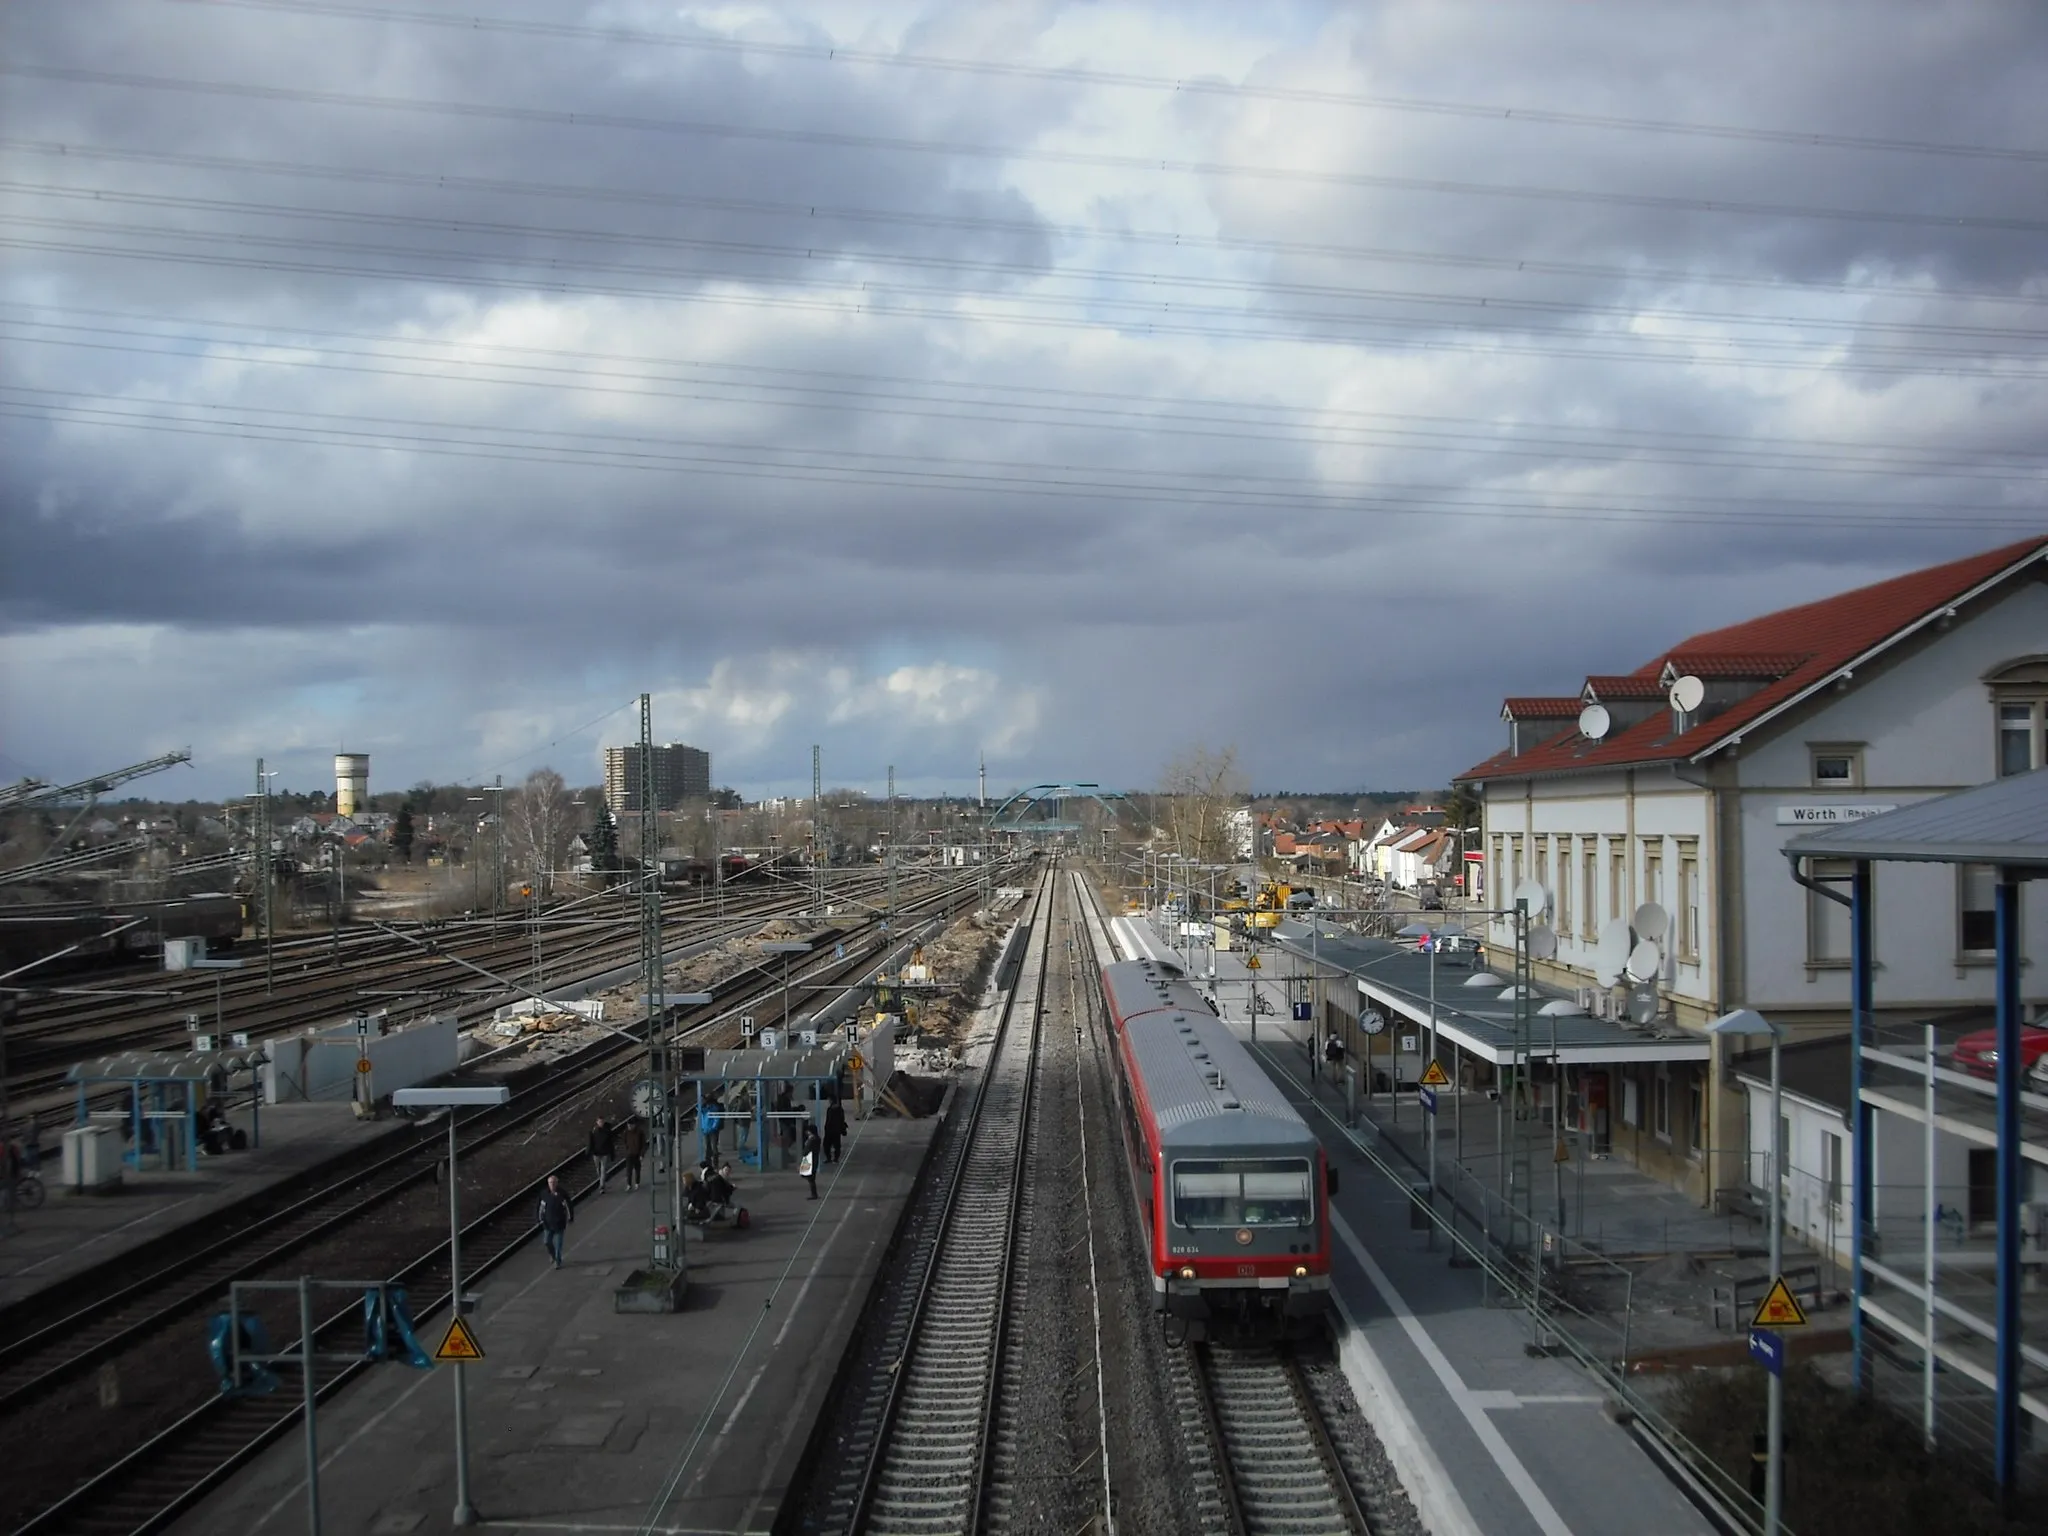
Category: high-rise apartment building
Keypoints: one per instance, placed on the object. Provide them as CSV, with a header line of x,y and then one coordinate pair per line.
x,y
680,773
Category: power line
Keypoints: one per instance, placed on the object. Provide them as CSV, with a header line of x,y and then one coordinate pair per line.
x,y
1036,229
1071,74
704,128
1090,412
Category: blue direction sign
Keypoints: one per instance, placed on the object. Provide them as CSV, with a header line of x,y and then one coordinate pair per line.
x,y
1428,1099
1767,1349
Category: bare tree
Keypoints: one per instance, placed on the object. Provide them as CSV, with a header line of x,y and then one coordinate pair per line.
x,y
1200,788
541,819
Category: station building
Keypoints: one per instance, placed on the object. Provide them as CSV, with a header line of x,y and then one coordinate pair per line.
x,y
1826,713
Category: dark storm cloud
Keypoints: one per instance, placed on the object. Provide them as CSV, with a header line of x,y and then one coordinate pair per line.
x,y
470,424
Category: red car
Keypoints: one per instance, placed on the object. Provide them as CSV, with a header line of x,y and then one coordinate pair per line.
x,y
1977,1054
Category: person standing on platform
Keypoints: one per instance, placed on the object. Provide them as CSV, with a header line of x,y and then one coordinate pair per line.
x,y
602,1149
554,1216
632,1148
1333,1053
808,1164
785,1128
835,1129
710,1111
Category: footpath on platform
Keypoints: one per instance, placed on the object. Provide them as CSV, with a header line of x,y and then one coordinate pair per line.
x,y
72,1232
582,1418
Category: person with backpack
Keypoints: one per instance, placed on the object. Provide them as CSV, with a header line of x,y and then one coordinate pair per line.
x,y
554,1216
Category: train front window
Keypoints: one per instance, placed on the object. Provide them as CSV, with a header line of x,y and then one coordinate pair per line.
x,y
1242,1192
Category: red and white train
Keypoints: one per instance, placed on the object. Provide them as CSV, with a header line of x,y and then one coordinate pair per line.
x,y
1232,1186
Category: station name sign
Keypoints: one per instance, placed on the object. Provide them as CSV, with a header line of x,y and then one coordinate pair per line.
x,y
1827,815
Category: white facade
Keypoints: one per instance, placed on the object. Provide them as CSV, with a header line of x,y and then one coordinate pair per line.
x,y
1705,840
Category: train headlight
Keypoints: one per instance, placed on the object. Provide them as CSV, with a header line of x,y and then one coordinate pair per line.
x,y
1187,1272
1301,1271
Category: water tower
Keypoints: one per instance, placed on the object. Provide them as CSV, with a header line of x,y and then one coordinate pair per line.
x,y
351,782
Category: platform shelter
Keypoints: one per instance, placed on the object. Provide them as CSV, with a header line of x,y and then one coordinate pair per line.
x,y
1967,1335
814,1074
165,1092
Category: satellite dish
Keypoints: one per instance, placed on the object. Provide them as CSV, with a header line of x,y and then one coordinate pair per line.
x,y
1532,894
1644,962
1561,1008
1642,1005
1610,955
1687,694
1651,922
1594,722
1542,942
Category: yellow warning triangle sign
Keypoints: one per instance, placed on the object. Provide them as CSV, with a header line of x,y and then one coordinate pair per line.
x,y
458,1344
1251,963
1779,1308
1434,1076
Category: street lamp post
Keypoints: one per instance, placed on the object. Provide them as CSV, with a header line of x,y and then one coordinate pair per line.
x,y
1747,1021
452,1099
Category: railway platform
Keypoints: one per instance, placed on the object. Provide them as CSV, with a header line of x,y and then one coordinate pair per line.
x,y
1488,1437
72,1233
582,1418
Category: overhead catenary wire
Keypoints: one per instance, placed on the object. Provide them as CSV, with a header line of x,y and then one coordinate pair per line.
x,y
1068,404
1097,159
877,301
1079,75
1101,234
1487,437
1492,303
733,464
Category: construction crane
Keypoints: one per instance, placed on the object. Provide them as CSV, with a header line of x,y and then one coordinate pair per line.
x,y
35,792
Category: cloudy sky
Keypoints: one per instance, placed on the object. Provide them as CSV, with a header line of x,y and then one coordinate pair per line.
x,y
1068,382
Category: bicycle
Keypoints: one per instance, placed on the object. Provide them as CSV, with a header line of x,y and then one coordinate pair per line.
x,y
28,1192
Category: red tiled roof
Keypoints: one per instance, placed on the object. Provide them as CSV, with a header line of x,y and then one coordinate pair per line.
x,y
1766,666
1626,685
1542,708
1819,639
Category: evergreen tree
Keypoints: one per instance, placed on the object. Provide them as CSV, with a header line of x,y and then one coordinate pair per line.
x,y
401,833
604,840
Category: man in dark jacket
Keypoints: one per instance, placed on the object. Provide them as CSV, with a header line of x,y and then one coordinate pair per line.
x,y
835,1129
632,1148
554,1216
601,1149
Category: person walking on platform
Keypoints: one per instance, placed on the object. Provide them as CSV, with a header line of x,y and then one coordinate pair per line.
x,y
632,1148
554,1216
602,1148
808,1164
1333,1053
835,1129
710,1113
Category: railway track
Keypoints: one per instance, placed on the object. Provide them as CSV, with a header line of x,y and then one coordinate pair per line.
x,y
928,1467
33,1052
131,1327
1278,1468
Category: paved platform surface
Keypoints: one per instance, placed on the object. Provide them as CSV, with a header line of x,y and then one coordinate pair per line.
x,y
582,1419
74,1232
1489,1440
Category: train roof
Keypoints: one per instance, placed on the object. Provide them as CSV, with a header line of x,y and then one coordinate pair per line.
x,y
1203,1086
1140,986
